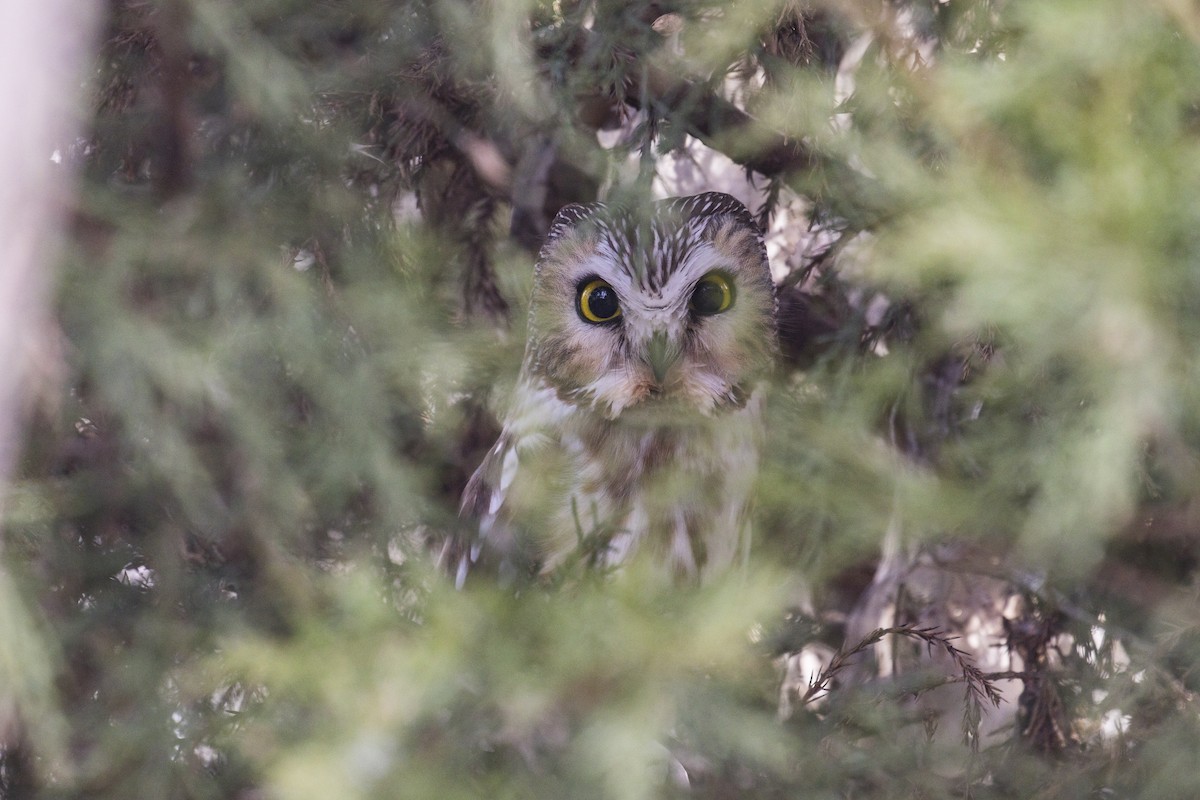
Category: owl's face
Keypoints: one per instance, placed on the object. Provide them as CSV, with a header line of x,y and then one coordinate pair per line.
x,y
636,312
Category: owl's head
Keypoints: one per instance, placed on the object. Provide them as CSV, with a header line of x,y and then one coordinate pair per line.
x,y
658,307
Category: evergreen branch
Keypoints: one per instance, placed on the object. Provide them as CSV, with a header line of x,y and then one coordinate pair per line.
x,y
979,683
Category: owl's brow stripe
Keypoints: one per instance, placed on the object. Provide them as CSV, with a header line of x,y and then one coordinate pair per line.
x,y
670,242
651,247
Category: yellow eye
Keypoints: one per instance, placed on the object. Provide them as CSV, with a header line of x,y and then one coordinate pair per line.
x,y
712,295
598,302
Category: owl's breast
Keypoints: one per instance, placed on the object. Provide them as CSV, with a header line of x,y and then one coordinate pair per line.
x,y
678,486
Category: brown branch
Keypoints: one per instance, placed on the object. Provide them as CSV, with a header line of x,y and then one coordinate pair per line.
x,y
661,85
480,152
174,126
723,126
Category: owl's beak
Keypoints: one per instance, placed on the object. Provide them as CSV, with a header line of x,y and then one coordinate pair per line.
x,y
660,355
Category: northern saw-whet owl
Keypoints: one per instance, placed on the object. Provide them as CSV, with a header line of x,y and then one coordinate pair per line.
x,y
636,422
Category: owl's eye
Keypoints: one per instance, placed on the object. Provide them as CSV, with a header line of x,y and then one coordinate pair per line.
x,y
598,302
712,295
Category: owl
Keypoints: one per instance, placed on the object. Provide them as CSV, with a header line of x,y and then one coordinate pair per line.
x,y
636,422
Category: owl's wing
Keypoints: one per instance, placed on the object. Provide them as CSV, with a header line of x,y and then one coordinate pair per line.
x,y
483,500
536,414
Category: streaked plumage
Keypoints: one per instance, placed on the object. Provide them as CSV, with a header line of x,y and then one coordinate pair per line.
x,y
640,430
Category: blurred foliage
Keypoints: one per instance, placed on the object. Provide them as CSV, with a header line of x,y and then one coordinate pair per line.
x,y
293,290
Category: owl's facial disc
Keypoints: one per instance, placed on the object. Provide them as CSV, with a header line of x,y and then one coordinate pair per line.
x,y
680,323
672,352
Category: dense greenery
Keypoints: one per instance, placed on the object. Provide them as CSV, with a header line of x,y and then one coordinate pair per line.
x,y
291,308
